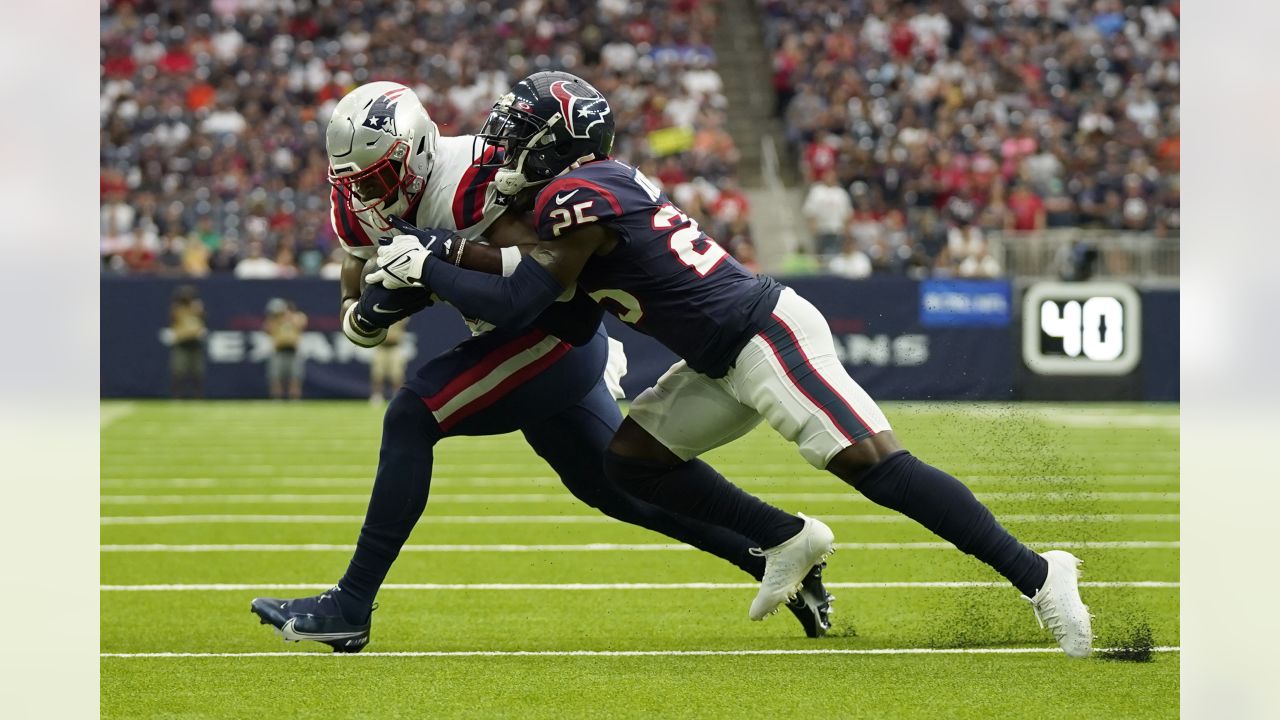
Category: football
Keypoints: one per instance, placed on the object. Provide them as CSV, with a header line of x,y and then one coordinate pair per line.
x,y
370,266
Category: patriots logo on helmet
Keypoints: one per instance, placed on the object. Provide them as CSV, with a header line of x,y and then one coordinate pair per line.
x,y
382,113
580,113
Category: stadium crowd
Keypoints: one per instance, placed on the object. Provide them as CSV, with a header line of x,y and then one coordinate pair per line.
x,y
213,113
921,127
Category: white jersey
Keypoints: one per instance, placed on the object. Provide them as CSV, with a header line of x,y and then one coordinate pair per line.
x,y
459,196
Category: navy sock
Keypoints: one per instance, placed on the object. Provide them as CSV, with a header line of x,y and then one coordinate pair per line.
x,y
409,434
945,506
592,422
694,489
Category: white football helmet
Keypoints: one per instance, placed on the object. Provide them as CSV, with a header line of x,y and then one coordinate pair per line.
x,y
381,143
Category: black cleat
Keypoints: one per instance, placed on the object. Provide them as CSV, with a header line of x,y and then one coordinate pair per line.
x,y
315,618
812,605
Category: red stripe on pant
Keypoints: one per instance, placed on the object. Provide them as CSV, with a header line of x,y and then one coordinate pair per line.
x,y
506,386
491,361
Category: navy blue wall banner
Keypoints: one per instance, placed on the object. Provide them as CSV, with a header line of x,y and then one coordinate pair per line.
x,y
899,338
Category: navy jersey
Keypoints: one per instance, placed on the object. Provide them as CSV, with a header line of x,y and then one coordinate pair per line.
x,y
665,277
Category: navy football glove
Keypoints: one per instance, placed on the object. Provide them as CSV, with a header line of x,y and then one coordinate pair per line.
x,y
381,308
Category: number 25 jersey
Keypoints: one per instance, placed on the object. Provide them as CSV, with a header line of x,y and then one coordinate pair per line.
x,y
665,276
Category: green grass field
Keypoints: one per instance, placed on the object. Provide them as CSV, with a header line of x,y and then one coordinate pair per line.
x,y
207,505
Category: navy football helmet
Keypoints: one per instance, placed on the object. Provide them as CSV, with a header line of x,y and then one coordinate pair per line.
x,y
548,123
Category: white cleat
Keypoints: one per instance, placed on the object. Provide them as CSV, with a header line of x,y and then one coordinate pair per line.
x,y
1058,605
786,565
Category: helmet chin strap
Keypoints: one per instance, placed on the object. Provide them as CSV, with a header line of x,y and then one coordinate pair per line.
x,y
510,182
578,163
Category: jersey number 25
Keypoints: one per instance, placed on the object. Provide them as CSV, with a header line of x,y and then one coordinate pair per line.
x,y
683,241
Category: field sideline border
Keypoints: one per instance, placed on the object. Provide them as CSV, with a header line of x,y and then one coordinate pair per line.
x,y
623,653
608,547
876,518
523,498
941,584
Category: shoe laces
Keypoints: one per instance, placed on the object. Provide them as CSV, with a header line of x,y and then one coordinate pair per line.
x,y
1048,616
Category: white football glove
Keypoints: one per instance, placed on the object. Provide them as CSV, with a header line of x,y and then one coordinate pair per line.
x,y
358,333
400,261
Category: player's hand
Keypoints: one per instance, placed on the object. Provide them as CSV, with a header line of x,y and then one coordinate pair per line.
x,y
379,307
402,257
360,331
400,261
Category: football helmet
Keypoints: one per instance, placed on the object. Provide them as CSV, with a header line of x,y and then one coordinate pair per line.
x,y
381,143
549,123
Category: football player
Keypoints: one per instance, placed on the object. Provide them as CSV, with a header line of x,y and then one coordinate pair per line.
x,y
750,349
543,377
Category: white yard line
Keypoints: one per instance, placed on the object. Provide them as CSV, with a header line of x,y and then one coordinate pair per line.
x,y
607,547
571,519
1100,418
565,497
620,653
532,467
513,481
471,587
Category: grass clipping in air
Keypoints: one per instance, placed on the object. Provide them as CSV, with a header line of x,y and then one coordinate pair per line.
x,y
1135,644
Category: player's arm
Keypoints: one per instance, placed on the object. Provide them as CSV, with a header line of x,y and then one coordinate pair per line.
x,y
349,281
509,237
417,258
538,280
574,320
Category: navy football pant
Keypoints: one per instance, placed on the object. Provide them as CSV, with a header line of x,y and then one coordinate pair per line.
x,y
498,383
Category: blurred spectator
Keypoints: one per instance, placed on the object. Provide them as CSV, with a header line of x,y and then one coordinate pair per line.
x,y
139,256
851,262
311,257
255,266
387,364
227,256
980,264
332,268
745,252
828,209
1026,209
285,368
186,353
195,257
169,259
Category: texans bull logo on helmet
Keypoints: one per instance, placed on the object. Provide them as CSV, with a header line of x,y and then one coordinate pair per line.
x,y
382,112
580,113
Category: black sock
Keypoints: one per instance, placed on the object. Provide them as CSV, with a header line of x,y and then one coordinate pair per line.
x,y
694,489
409,434
945,506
